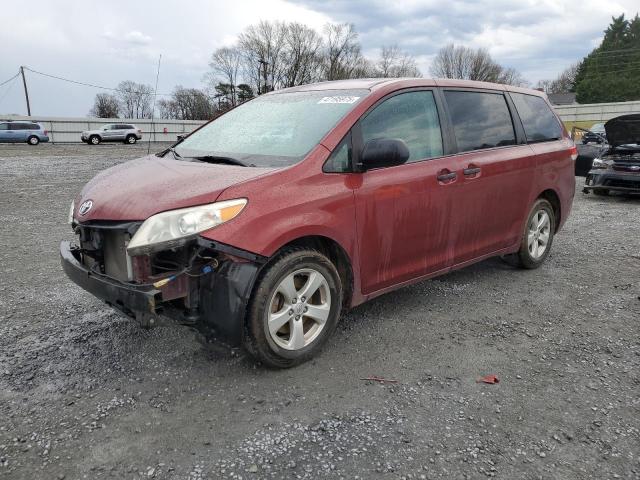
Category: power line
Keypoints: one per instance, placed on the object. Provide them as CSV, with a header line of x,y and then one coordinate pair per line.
x,y
8,89
7,81
96,86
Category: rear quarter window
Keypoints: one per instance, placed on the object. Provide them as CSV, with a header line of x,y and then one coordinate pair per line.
x,y
539,122
480,120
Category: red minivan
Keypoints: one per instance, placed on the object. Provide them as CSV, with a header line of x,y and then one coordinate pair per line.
x,y
264,224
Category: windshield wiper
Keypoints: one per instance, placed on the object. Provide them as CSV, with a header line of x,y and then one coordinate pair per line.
x,y
225,160
176,155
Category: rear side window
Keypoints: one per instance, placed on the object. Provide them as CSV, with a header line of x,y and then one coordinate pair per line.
x,y
480,120
539,122
412,117
34,126
4,126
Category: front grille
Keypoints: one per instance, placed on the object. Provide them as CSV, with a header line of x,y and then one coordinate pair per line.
x,y
617,182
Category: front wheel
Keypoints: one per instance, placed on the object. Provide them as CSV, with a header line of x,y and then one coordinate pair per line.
x,y
294,308
537,236
94,139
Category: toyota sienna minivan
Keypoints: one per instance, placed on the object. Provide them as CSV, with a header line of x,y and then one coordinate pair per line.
x,y
264,224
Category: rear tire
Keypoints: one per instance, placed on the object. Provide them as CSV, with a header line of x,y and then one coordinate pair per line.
x,y
294,308
33,140
601,193
537,237
94,140
131,139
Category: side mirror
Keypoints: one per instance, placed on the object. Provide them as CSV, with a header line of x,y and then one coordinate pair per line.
x,y
384,152
182,136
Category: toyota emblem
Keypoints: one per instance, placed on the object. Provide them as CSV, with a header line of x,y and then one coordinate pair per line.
x,y
85,207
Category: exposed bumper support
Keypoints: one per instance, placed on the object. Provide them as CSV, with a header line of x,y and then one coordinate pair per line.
x,y
127,298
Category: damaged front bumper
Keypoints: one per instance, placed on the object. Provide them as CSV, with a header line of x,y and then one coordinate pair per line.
x,y
215,302
612,180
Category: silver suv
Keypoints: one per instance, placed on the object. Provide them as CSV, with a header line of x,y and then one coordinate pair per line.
x,y
113,132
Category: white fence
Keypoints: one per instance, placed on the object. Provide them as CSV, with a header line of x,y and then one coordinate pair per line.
x,y
596,112
68,130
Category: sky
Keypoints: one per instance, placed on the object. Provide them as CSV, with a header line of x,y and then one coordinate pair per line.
x,y
102,44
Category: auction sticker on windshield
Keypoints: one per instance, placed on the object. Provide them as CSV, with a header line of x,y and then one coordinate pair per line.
x,y
338,99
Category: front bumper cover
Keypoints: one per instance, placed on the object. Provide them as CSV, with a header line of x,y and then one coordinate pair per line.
x,y
222,295
609,179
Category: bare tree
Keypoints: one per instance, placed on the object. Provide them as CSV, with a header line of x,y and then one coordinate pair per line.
x,y
394,63
343,57
262,48
565,82
302,56
105,105
134,99
465,63
187,104
225,65
510,76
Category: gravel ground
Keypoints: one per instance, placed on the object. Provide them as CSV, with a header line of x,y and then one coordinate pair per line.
x,y
85,393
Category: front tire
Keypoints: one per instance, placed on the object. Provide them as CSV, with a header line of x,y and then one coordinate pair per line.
x,y
294,308
94,140
537,236
33,140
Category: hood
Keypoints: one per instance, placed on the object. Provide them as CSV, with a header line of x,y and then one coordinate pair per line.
x,y
623,130
137,189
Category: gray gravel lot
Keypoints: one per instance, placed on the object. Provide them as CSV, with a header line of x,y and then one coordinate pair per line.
x,y
85,393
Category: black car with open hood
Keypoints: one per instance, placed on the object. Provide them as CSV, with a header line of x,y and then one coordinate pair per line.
x,y
618,168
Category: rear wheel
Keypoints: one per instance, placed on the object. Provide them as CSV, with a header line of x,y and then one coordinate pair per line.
x,y
33,140
131,139
537,236
601,192
294,308
94,139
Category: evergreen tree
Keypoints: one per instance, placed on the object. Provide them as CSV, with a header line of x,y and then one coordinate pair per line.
x,y
611,72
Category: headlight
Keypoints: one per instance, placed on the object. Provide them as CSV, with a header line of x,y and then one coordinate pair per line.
x,y
71,213
597,163
172,228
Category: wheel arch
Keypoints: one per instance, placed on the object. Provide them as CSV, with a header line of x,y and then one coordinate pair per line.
x,y
334,252
552,197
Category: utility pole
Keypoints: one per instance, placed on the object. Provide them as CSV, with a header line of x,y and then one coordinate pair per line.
x,y
26,92
264,64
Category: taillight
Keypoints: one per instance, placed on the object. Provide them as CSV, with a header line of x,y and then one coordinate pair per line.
x,y
139,131
574,153
46,133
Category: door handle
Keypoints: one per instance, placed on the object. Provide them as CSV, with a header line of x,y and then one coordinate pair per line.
x,y
444,177
471,171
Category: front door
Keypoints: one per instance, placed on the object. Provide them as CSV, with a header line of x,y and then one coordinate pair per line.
x,y
403,212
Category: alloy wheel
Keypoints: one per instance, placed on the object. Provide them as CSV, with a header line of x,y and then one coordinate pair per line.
x,y
538,234
299,309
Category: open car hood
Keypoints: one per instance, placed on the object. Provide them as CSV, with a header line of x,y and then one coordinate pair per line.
x,y
623,130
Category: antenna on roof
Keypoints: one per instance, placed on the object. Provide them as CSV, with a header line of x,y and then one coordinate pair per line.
x,y
153,109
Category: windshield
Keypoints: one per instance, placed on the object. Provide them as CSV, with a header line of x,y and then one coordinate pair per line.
x,y
275,130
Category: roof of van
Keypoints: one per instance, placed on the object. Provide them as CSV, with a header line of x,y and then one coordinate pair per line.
x,y
376,83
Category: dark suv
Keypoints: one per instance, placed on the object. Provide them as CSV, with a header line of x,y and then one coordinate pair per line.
x,y
263,225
